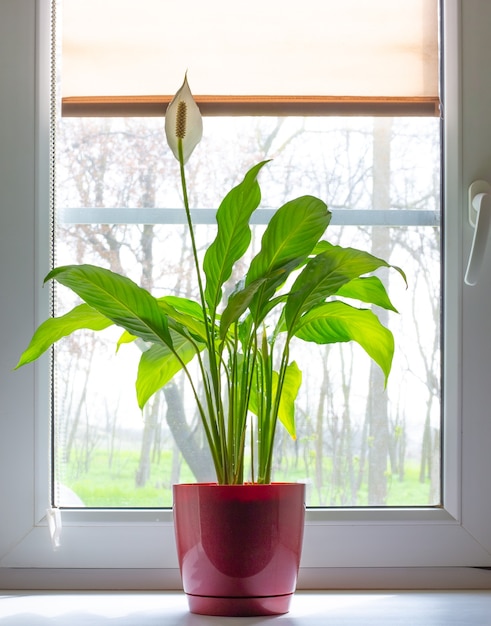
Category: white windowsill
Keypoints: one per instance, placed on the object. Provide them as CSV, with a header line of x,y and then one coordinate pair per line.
x,y
430,608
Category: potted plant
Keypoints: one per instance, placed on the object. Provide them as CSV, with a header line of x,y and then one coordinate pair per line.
x,y
239,539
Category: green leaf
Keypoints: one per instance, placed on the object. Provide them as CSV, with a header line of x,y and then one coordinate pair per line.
x,y
289,237
158,365
118,298
237,304
291,386
183,305
233,235
324,275
53,329
241,299
286,408
185,312
369,289
334,322
125,337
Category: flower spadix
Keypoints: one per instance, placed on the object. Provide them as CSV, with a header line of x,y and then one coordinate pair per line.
x,y
183,123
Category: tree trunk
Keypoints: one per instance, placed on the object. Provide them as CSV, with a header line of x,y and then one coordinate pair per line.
x,y
378,431
378,437
145,464
319,433
198,458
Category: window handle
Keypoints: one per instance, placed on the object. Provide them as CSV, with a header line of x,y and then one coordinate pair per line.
x,y
480,219
53,515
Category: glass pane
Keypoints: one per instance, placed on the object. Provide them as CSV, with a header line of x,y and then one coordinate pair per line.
x,y
357,444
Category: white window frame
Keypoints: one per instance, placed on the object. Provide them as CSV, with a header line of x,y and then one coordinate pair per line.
x,y
134,549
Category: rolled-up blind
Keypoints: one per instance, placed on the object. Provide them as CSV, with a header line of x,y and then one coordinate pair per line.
x,y
262,55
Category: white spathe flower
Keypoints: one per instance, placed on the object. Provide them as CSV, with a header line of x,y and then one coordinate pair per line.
x,y
183,122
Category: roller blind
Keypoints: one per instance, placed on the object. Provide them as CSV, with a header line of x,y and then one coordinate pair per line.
x,y
262,55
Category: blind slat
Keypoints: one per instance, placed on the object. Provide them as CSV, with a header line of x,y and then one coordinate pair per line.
x,y
155,106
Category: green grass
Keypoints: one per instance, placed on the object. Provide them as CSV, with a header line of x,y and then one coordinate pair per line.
x,y
114,486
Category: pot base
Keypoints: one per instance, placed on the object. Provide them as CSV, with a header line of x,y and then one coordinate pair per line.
x,y
239,607
239,546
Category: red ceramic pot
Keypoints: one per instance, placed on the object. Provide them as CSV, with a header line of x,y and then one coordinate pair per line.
x,y
239,546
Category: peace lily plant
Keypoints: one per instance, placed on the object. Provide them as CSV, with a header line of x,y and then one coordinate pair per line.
x,y
247,379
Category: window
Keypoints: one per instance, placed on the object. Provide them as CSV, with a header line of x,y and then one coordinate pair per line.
x,y
341,547
117,204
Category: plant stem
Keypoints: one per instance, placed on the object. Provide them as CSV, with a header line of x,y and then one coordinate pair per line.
x,y
191,234
214,400
275,409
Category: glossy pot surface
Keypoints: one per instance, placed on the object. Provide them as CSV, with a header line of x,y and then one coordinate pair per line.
x,y
239,546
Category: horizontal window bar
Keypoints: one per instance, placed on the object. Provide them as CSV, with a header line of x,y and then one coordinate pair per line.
x,y
155,106
340,217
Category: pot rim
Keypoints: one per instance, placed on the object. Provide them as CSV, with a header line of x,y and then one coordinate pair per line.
x,y
212,484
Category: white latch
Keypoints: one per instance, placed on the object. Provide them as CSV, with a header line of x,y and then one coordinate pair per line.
x,y
480,219
53,515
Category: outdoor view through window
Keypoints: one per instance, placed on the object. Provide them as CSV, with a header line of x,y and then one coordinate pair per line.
x,y
118,204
